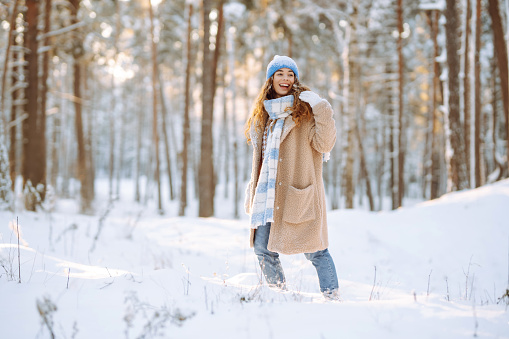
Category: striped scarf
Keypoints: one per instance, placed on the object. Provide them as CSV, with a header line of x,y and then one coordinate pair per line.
x,y
263,204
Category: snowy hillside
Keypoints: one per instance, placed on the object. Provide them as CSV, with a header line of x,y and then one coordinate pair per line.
x,y
435,270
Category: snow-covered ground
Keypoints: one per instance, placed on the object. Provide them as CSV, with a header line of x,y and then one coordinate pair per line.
x,y
433,270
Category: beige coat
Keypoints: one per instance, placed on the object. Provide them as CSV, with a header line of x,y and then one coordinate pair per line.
x,y
300,220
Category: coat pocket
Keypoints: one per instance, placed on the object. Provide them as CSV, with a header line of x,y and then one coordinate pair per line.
x,y
299,205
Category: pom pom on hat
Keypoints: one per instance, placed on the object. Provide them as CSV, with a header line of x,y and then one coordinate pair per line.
x,y
281,61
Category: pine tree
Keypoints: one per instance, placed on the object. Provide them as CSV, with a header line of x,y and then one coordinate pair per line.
x,y
5,179
458,161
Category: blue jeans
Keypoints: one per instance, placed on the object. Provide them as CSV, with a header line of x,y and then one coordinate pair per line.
x,y
273,271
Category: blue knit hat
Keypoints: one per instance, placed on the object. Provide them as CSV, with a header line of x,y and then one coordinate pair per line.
x,y
281,61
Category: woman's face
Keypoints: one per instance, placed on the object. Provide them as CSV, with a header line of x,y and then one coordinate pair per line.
x,y
283,81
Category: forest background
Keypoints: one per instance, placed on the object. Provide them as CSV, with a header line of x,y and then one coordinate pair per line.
x,y
158,92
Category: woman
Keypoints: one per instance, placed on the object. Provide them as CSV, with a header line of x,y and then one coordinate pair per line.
x,y
292,132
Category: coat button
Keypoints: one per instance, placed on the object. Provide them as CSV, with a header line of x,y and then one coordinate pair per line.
x,y
279,183
277,207
280,159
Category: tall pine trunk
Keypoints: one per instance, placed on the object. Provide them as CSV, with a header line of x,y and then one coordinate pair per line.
x,y
45,66
166,138
498,165
10,42
233,89
113,106
458,163
360,133
401,128
349,148
155,126
186,124
85,192
435,154
207,174
112,133
225,138
33,160
139,145
89,141
121,143
478,102
393,180
15,95
500,46
467,91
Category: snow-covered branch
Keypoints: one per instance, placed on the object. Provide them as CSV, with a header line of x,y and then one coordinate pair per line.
x,y
63,30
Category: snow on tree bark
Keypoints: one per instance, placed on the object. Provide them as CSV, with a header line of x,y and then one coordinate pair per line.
x,y
155,123
458,161
500,46
33,161
78,50
478,98
206,167
401,126
467,88
186,124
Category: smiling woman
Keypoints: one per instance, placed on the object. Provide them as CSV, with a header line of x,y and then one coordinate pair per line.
x,y
292,131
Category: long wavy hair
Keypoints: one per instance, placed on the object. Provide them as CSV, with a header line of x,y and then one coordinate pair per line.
x,y
301,110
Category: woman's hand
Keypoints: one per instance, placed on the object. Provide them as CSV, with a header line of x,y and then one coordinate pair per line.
x,y
310,97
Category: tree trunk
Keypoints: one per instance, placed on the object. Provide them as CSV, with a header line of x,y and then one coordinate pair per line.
x,y
401,149
45,71
10,42
428,150
498,165
225,137
6,185
500,46
358,131
380,149
121,144
458,164
112,133
392,183
392,128
46,58
217,50
348,171
478,99
467,91
89,144
149,174
206,168
113,106
66,162
364,167
33,161
233,88
82,174
186,125
139,144
16,94
154,110
348,184
336,165
435,154
166,139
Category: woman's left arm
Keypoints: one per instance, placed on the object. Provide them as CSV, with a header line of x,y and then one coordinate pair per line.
x,y
322,134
